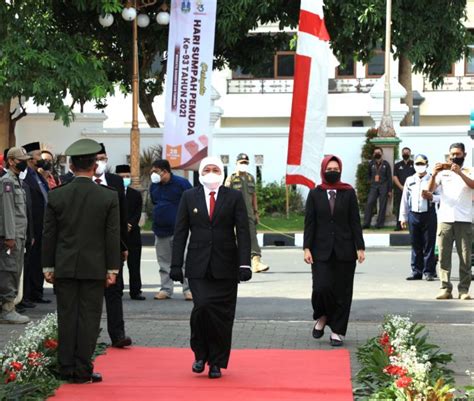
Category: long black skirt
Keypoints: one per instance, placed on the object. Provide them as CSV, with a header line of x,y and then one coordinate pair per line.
x,y
212,319
333,282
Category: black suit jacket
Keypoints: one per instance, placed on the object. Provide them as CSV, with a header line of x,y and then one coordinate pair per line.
x,y
38,202
340,232
116,182
68,177
134,212
219,246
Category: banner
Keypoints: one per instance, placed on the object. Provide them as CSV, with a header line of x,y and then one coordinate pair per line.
x,y
309,108
188,82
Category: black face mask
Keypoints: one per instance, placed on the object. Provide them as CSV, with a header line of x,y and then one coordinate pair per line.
x,y
44,164
458,160
406,157
332,176
21,166
377,156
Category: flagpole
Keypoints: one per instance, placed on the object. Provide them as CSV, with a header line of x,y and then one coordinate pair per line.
x,y
287,202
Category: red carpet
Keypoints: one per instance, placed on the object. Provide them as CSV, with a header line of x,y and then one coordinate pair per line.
x,y
165,374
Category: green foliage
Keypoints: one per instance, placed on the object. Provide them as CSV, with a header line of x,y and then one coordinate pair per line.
x,y
271,198
362,172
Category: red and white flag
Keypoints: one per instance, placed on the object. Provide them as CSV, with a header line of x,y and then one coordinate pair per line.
x,y
309,108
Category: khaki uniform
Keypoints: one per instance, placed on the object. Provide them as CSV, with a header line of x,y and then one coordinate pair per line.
x,y
245,183
13,225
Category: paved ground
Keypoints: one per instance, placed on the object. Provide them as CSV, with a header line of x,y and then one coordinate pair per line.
x,y
274,311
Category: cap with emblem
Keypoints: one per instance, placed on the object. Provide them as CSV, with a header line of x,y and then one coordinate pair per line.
x,y
421,159
18,153
242,157
122,168
83,147
31,147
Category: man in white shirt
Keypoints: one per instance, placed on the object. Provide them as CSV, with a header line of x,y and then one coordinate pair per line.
x,y
455,185
417,210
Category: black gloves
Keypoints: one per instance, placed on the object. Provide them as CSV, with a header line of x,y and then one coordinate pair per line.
x,y
176,274
245,274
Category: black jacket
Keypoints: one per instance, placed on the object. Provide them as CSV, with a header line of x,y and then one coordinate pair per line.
x,y
116,182
134,212
221,245
38,201
340,232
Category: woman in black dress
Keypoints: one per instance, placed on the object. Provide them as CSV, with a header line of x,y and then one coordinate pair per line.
x,y
333,242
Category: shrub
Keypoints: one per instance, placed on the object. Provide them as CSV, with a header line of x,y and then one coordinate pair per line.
x,y
271,198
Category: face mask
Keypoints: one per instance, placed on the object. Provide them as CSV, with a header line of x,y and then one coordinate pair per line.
x,y
44,164
377,156
211,181
21,166
243,168
406,157
101,166
126,182
420,169
22,175
155,178
332,176
458,160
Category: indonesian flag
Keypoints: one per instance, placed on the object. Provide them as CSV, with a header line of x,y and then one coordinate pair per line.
x,y
309,108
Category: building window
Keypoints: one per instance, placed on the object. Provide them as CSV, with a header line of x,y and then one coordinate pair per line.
x,y
348,71
376,66
284,65
470,61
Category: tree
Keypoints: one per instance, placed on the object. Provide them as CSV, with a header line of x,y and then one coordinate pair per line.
x,y
428,36
38,61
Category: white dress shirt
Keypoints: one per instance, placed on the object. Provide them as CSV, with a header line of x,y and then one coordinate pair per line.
x,y
455,197
102,178
207,194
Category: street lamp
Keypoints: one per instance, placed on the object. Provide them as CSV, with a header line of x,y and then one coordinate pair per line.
x,y
386,124
130,13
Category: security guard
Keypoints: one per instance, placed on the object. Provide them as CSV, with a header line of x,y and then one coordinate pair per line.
x,y
417,209
13,229
80,255
401,171
243,181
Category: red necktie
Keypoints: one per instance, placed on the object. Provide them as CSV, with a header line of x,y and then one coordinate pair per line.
x,y
212,204
98,181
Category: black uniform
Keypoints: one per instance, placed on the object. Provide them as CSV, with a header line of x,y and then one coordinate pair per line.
x,y
134,242
380,179
402,171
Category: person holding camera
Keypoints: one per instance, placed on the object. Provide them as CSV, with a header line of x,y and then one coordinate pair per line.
x,y
455,185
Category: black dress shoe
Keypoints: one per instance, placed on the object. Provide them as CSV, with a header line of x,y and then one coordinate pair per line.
x,y
214,372
20,309
414,277
27,304
41,301
122,342
366,226
335,342
429,277
94,378
137,297
317,333
198,366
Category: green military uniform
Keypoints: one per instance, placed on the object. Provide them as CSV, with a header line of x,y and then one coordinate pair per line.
x,y
13,225
81,244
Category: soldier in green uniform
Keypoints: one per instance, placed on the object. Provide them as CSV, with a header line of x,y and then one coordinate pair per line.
x,y
13,224
243,181
80,255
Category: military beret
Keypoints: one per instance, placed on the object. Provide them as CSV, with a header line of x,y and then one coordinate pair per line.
x,y
122,168
83,147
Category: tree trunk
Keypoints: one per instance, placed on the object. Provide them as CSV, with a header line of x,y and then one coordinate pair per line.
x,y
146,106
404,77
4,125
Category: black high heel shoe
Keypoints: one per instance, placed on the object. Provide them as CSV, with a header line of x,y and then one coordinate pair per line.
x,y
317,333
336,342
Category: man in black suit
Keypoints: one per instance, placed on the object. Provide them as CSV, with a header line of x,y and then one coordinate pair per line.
x,y
39,189
87,216
218,258
114,293
134,241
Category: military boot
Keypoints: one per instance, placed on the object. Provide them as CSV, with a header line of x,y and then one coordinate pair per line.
x,y
10,316
258,266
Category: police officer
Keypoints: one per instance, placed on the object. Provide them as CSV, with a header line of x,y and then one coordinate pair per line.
x,y
417,209
401,171
13,230
380,179
81,255
243,181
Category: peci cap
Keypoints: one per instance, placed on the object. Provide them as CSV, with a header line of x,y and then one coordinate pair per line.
x,y
83,147
102,149
31,147
420,159
18,153
242,157
122,168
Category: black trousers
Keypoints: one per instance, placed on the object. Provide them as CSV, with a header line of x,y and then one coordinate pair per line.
x,y
114,308
79,311
423,240
333,281
397,198
34,271
133,263
380,192
26,272
212,319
